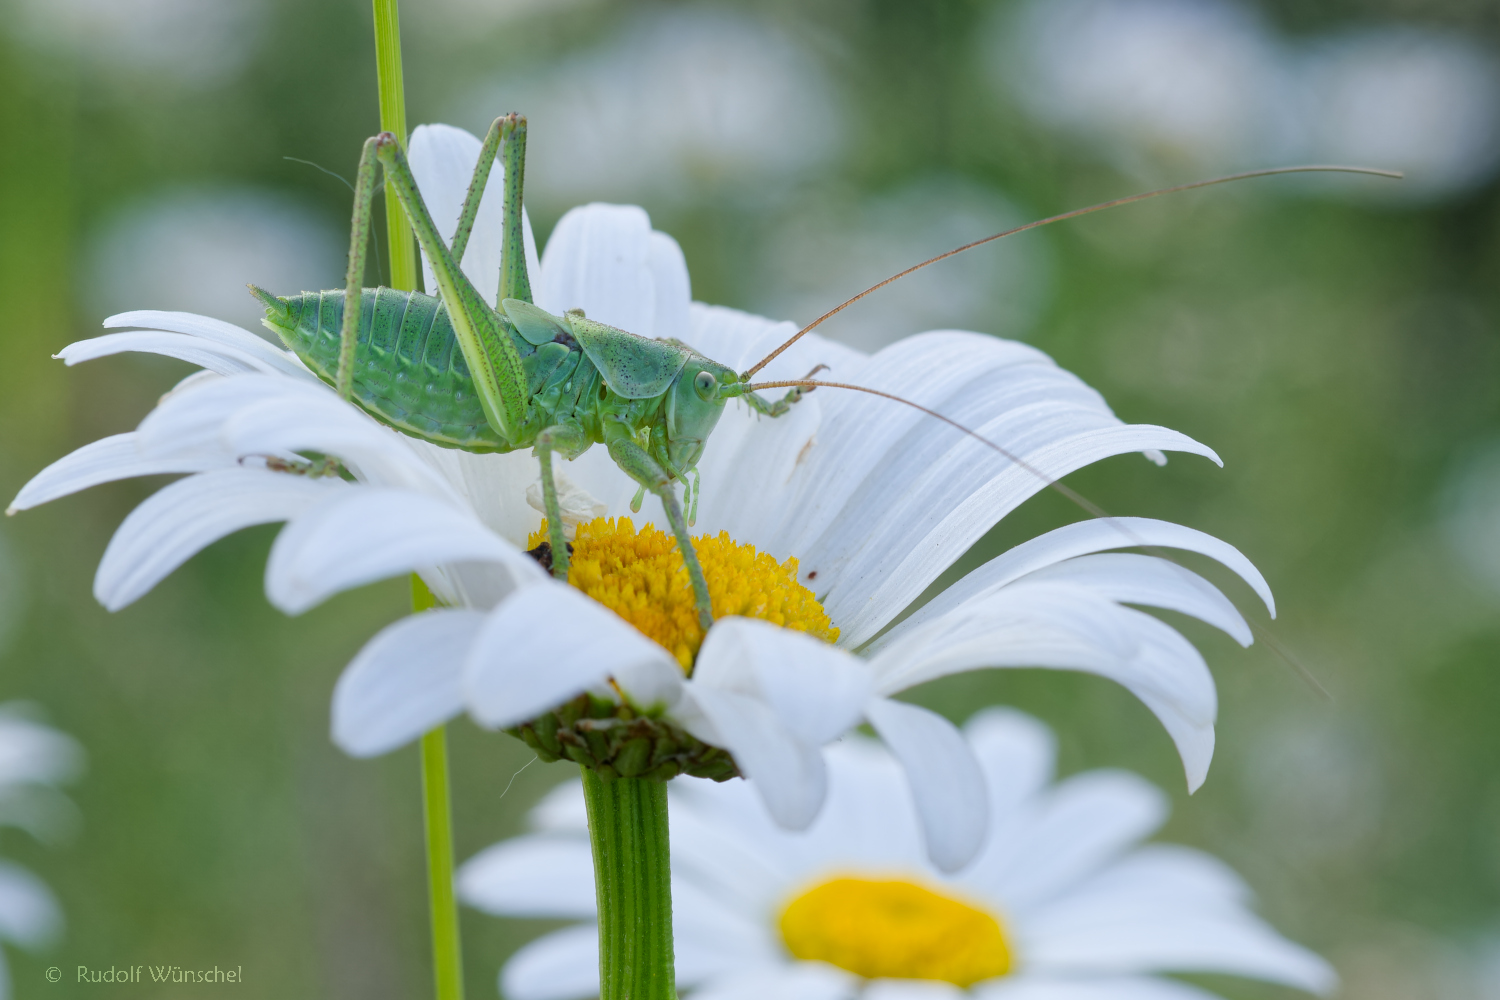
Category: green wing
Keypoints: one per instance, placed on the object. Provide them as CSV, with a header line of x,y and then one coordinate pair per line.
x,y
634,367
535,324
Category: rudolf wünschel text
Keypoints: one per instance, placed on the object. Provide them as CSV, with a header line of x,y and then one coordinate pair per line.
x,y
159,974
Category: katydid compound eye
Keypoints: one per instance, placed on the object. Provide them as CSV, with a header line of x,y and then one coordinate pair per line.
x,y
706,384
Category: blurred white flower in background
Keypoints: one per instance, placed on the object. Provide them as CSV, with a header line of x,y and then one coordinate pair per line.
x,y
1421,101
671,104
1318,791
470,16
34,760
830,252
1062,903
1470,515
194,250
1165,81
182,41
1175,79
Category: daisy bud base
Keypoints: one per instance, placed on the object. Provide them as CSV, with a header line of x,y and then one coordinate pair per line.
x,y
614,741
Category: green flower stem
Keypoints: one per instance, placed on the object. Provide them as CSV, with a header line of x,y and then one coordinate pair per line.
x,y
447,958
632,879
393,120
437,811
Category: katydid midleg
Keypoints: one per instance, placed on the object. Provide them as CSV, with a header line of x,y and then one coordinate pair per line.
x,y
524,378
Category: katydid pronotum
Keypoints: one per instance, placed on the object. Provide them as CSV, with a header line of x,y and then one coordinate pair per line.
x,y
524,378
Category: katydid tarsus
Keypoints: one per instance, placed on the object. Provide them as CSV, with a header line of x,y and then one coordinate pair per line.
x,y
524,378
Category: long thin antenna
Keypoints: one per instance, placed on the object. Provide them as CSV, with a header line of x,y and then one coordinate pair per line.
x,y
1078,498
1314,168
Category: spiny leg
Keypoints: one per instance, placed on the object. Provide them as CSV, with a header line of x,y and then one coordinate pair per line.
x,y
568,440
697,491
514,283
359,238
470,210
638,464
511,130
492,358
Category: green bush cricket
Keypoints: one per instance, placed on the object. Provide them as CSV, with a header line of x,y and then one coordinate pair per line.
x,y
521,377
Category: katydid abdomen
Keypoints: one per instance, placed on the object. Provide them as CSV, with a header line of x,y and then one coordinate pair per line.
x,y
410,373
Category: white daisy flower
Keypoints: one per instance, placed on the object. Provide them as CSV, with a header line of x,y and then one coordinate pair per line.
x,y
1061,903
34,760
837,516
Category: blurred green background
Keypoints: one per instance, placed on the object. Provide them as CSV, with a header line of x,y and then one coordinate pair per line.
x,y
1336,342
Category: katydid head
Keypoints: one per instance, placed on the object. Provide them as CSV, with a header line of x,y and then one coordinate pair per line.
x,y
694,404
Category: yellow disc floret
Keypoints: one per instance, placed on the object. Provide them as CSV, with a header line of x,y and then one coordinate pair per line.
x,y
895,929
639,575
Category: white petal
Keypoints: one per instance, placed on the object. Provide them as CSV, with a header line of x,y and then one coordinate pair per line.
x,y
1083,538
179,520
888,577
669,278
1154,582
815,690
103,461
740,339
220,358
1167,908
1193,739
598,259
1061,626
443,159
788,774
493,485
795,981
749,468
1026,986
946,781
34,753
537,876
563,965
1081,825
714,937
576,505
548,643
561,810
405,681
319,421
1016,752
370,533
891,496
29,914
911,989
188,421
214,331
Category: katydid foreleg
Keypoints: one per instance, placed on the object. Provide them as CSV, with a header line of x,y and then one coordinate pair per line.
x,y
638,464
571,442
785,403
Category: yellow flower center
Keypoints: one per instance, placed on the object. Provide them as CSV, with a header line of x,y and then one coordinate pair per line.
x,y
895,929
639,576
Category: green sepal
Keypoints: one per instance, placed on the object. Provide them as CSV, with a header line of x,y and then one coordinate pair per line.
x,y
614,741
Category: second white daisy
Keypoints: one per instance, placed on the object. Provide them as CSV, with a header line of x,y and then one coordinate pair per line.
x,y
1062,902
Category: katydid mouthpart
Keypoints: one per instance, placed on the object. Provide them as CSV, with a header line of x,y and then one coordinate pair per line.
x,y
521,377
